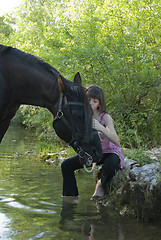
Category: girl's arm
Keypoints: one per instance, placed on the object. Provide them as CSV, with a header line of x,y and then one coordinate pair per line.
x,y
108,131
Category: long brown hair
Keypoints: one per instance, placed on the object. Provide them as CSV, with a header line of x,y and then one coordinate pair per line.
x,y
95,91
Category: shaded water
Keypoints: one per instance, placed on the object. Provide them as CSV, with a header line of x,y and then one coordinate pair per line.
x,y
31,206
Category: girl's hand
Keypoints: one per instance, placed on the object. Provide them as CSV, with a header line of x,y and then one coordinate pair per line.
x,y
96,125
107,130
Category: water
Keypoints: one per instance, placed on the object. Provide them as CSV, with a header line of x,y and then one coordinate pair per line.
x,y
31,205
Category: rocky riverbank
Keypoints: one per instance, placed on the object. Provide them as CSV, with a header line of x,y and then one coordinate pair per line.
x,y
138,188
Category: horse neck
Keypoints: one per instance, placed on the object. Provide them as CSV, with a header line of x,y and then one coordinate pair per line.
x,y
32,84
46,96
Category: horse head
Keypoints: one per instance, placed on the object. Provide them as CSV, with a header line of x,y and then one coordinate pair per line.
x,y
73,121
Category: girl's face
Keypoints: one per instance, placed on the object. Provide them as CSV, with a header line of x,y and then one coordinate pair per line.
x,y
94,102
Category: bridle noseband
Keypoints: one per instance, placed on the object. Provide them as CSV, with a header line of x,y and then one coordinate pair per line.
x,y
64,104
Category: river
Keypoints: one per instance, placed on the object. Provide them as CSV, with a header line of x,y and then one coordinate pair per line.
x,y
31,205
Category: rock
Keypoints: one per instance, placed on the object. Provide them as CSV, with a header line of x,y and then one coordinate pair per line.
x,y
154,154
139,190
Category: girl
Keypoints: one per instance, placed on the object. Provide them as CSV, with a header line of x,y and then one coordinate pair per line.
x,y
112,159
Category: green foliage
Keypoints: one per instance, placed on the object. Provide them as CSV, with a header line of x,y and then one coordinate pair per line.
x,y
40,119
6,28
139,156
114,44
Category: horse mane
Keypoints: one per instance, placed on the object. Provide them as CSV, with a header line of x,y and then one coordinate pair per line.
x,y
28,58
3,49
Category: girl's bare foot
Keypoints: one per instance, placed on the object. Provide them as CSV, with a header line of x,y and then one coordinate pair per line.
x,y
99,191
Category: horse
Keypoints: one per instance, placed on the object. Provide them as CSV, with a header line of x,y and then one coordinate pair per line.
x,y
27,79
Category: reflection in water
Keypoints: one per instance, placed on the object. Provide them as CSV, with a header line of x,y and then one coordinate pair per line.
x,y
93,226
31,206
70,220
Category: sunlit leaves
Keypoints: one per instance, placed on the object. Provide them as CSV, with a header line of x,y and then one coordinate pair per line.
x,y
113,43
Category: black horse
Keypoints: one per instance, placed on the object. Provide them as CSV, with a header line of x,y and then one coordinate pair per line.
x,y
26,79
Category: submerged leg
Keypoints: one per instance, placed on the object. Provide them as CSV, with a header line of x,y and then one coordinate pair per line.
x,y
69,181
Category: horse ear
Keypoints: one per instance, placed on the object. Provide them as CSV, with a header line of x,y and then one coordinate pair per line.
x,y
77,79
61,83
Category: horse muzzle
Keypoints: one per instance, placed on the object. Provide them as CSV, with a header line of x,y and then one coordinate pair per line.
x,y
84,156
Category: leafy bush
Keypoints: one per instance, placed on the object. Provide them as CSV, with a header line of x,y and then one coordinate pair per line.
x,y
114,44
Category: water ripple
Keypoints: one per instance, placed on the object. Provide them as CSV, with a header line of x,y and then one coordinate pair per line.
x,y
42,235
21,206
4,230
7,199
48,203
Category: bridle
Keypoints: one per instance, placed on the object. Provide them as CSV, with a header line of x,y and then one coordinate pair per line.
x,y
62,105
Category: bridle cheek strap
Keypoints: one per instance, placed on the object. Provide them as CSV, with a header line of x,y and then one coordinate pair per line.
x,y
64,104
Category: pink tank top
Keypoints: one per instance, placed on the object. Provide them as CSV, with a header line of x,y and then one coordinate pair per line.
x,y
109,147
